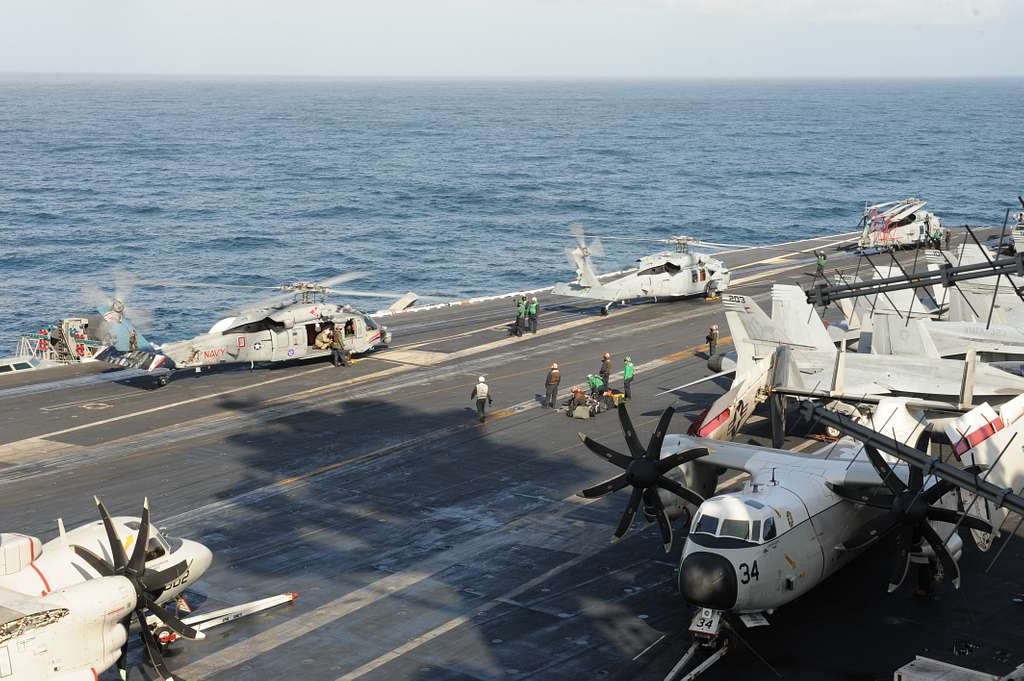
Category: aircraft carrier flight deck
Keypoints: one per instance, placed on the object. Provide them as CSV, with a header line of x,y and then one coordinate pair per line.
x,y
425,546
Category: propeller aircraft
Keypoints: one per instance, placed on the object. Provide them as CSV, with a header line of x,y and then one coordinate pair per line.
x,y
799,517
80,591
897,224
671,274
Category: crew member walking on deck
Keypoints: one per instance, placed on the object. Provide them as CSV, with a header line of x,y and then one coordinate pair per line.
x,y
520,315
712,339
551,385
532,309
627,377
133,341
949,237
482,394
339,355
606,369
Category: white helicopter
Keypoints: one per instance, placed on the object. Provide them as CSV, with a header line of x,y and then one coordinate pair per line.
x,y
798,519
283,328
90,566
670,274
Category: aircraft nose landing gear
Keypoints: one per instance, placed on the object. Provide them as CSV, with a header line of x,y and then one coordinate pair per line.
x,y
706,628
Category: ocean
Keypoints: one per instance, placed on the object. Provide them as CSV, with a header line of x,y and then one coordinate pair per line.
x,y
451,189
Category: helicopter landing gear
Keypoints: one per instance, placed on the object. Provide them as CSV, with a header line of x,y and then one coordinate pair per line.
x,y
606,309
161,381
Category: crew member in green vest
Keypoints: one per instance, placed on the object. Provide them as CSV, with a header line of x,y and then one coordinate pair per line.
x,y
532,309
627,377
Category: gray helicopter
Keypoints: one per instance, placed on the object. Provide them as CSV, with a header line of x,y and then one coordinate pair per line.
x,y
290,326
678,273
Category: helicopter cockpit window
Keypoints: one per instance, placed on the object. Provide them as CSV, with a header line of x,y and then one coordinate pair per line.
x,y
660,269
672,268
769,529
707,524
370,324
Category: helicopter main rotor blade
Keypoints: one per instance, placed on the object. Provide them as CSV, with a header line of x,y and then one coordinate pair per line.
x,y
351,293
341,279
191,284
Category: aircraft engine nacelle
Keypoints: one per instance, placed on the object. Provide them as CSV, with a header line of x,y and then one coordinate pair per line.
x,y
723,362
17,552
93,621
702,478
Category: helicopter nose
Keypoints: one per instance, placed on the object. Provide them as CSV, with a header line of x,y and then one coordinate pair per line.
x,y
708,580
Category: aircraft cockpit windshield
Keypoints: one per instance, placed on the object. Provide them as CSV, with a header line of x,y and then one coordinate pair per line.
x,y
159,545
754,530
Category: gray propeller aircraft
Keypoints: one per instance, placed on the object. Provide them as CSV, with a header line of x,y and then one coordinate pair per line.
x,y
799,517
679,273
287,327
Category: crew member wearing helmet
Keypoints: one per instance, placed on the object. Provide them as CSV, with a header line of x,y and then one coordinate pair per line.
x,y
551,385
627,377
482,394
712,339
606,369
531,314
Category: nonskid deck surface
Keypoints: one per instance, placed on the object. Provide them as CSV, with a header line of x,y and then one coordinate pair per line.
x,y
426,546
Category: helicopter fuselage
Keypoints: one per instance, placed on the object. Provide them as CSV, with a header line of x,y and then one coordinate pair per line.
x,y
277,334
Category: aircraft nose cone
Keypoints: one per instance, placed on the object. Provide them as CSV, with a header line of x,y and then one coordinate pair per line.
x,y
708,580
202,559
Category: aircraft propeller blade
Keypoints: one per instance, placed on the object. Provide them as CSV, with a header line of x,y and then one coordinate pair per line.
x,y
950,568
664,524
646,473
627,515
679,458
632,441
606,487
901,562
596,248
168,618
137,562
116,547
654,445
156,658
155,581
679,490
606,453
885,471
95,562
954,517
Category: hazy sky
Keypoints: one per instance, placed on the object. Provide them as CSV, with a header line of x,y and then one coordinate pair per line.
x,y
516,38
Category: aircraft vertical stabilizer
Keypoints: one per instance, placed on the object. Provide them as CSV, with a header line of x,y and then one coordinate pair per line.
x,y
798,321
995,441
895,336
